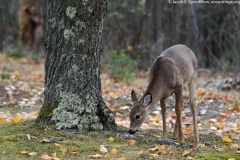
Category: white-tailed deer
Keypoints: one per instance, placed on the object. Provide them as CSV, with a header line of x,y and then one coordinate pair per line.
x,y
173,69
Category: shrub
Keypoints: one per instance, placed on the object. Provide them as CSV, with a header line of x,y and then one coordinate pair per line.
x,y
17,54
120,65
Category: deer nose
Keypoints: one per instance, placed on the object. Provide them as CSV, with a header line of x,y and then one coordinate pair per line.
x,y
131,132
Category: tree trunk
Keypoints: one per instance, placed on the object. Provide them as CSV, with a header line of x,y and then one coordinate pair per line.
x,y
31,24
73,96
1,29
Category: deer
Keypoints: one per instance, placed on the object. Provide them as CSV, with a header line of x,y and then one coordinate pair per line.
x,y
175,68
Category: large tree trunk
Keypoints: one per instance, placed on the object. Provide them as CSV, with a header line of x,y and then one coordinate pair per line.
x,y
72,72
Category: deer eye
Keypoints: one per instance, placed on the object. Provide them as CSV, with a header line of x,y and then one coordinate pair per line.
x,y
137,117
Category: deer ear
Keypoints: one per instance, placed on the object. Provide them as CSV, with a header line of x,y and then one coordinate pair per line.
x,y
133,96
147,100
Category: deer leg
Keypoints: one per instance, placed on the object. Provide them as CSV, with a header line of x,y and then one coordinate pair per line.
x,y
163,107
175,131
193,108
178,109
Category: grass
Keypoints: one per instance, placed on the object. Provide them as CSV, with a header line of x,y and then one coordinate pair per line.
x,y
14,140
217,155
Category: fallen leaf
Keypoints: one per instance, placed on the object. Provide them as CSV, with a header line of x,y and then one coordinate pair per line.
x,y
213,120
32,154
219,126
226,139
189,158
2,120
220,119
33,137
156,119
238,127
192,143
154,155
201,145
220,149
24,152
95,156
131,142
185,153
192,135
113,151
55,156
73,153
29,137
63,149
45,140
58,145
46,157
122,158
16,119
224,113
157,150
188,130
111,139
233,146
144,127
103,149
16,73
213,128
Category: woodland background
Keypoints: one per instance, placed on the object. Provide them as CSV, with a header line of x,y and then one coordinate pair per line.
x,y
139,29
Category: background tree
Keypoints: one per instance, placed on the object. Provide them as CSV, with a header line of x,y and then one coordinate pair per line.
x,y
72,72
1,28
209,30
31,24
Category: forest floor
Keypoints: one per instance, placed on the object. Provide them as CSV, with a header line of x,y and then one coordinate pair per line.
x,y
21,97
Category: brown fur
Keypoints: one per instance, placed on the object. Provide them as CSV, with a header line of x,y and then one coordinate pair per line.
x,y
173,69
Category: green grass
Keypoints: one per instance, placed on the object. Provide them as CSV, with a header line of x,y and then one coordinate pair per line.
x,y
217,155
13,140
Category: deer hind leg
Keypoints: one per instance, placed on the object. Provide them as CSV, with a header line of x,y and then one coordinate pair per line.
x,y
163,107
193,107
178,110
175,131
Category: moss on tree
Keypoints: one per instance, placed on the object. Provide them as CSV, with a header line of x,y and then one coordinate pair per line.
x,y
46,112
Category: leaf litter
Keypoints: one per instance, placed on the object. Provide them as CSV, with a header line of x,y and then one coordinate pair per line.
x,y
21,97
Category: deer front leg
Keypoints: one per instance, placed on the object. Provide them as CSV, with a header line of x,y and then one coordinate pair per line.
x,y
178,110
163,107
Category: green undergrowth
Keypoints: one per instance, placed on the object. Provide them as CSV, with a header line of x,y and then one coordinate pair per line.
x,y
14,138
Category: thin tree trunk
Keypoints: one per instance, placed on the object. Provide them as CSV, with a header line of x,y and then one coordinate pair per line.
x,y
73,96
1,29
31,24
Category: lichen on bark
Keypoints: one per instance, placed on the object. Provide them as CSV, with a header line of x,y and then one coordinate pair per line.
x,y
67,33
72,112
71,11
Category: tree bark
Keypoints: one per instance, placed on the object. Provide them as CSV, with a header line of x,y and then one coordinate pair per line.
x,y
73,96
1,29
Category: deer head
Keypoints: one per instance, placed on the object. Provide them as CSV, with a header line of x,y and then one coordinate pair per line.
x,y
139,111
